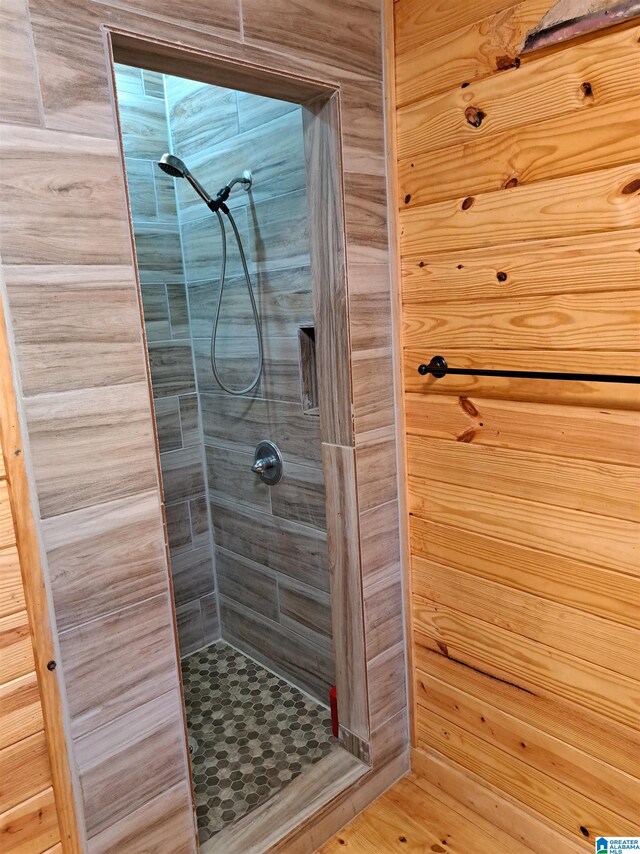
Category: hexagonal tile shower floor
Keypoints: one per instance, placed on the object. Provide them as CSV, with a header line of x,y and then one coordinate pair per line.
x,y
250,733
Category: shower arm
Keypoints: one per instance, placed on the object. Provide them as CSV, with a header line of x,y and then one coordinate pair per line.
x,y
218,204
223,194
244,179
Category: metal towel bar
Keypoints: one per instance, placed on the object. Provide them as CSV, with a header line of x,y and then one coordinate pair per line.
x,y
438,368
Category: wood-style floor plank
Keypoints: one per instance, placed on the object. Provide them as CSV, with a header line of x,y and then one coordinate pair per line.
x,y
406,820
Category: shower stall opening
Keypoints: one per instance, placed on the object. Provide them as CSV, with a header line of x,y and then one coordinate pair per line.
x,y
217,187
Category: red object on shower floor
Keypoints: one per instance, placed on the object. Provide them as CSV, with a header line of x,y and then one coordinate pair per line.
x,y
333,705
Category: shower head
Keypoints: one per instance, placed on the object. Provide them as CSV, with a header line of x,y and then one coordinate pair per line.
x,y
177,168
173,166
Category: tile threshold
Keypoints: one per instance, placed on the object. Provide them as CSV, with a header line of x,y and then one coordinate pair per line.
x,y
260,830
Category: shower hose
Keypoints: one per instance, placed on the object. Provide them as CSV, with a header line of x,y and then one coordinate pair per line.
x,y
254,308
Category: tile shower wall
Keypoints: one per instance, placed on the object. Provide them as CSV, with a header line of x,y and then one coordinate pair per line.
x,y
145,133
270,543
271,565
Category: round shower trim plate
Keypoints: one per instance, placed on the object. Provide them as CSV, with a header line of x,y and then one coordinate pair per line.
x,y
247,177
268,451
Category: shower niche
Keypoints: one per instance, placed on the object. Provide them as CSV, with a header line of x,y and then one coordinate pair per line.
x,y
308,370
231,366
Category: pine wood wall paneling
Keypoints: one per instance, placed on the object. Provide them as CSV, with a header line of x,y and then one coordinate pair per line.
x,y
615,795
582,743
20,709
501,809
466,54
580,393
561,804
577,204
524,496
417,24
590,588
11,588
33,748
607,435
606,319
529,523
571,19
522,155
32,826
545,87
604,488
557,266
553,625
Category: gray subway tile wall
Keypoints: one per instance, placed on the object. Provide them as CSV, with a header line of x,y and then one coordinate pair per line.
x,y
269,592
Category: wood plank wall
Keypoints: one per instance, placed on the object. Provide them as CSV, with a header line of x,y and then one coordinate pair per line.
x,y
28,816
518,196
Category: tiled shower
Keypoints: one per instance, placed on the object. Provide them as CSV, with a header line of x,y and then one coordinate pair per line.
x,y
248,561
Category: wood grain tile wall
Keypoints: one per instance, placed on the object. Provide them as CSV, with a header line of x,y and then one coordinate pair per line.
x,y
518,177
266,538
146,135
64,212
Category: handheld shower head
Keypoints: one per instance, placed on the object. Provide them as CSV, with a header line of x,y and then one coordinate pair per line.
x,y
173,166
177,168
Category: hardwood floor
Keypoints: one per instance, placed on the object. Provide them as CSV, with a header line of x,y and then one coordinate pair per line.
x,y
415,817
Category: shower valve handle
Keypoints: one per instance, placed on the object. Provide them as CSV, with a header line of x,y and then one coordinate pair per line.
x,y
263,464
267,463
